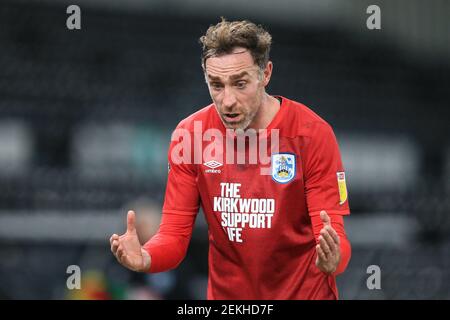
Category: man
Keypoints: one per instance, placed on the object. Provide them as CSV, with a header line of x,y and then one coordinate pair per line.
x,y
274,234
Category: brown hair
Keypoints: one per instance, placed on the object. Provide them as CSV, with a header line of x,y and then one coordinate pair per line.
x,y
223,37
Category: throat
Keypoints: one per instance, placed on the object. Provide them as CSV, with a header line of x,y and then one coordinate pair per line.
x,y
270,111
266,113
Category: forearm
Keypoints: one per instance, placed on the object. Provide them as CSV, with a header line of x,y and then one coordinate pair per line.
x,y
168,247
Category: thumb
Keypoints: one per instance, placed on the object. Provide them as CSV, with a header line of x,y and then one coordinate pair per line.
x,y
131,217
325,218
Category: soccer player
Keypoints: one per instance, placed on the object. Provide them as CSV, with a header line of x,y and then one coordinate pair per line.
x,y
274,234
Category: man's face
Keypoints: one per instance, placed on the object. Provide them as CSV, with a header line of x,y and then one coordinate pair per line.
x,y
236,86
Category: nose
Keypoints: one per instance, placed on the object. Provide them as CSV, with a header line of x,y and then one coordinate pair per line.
x,y
229,99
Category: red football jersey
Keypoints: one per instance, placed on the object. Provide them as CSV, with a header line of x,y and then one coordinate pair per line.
x,y
261,242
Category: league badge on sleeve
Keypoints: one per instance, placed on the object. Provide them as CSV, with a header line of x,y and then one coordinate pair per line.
x,y
283,167
342,187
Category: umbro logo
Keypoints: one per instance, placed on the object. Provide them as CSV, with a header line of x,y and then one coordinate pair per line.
x,y
213,165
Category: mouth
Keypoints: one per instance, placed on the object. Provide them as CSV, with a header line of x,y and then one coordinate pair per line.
x,y
232,117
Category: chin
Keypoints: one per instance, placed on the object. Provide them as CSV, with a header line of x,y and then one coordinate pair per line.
x,y
242,125
237,126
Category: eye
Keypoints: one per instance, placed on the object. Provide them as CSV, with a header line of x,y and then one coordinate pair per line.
x,y
241,84
216,85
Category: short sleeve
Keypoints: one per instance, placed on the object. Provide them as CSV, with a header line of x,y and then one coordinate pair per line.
x,y
182,195
325,184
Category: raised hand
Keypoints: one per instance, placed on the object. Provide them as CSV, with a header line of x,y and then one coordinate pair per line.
x,y
328,249
127,249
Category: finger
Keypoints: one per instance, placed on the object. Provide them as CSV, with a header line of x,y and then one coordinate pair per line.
x,y
320,253
324,246
329,239
334,235
325,218
120,253
114,246
118,258
113,237
130,221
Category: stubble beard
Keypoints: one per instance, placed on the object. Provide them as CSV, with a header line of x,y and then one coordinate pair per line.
x,y
244,124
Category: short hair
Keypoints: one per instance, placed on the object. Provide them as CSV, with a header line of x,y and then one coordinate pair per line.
x,y
223,37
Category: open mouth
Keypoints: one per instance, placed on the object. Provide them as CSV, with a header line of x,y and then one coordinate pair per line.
x,y
232,117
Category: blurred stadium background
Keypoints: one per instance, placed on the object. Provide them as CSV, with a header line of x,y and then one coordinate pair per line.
x,y
86,117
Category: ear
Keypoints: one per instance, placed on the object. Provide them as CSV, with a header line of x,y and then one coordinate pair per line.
x,y
267,73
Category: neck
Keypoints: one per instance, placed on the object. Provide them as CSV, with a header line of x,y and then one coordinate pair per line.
x,y
266,113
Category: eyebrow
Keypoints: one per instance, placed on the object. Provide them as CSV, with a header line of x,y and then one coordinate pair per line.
x,y
233,77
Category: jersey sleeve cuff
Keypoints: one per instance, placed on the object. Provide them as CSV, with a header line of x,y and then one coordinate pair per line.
x,y
181,212
343,212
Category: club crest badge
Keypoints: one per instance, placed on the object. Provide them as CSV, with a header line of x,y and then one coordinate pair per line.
x,y
283,167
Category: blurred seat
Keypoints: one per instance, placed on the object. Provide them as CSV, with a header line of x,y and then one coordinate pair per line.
x,y
118,149
380,163
16,147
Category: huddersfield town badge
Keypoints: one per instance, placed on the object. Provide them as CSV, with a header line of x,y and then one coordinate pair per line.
x,y
283,167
